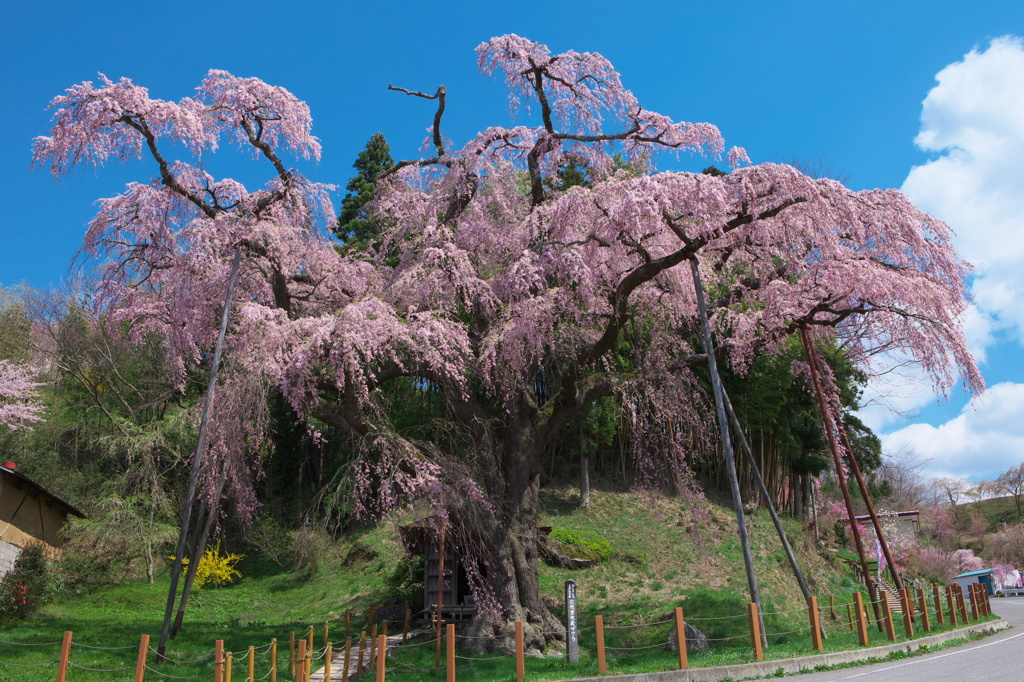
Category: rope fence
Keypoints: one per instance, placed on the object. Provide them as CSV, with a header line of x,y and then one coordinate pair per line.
x,y
911,610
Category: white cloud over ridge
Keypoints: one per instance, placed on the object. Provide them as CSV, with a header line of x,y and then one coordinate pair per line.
x,y
973,121
985,438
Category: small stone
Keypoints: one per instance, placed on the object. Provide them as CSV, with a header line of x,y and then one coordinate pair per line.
x,y
533,652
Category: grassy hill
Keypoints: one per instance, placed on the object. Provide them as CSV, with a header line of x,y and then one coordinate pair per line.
x,y
665,555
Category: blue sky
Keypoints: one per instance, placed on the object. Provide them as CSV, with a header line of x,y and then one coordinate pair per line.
x,y
842,82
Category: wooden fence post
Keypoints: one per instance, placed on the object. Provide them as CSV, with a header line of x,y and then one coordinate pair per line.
x,y
832,607
849,616
684,661
251,665
922,601
952,606
520,654
328,659
862,625
890,627
273,659
347,658
408,616
140,662
382,656
309,636
227,667
450,650
300,663
812,612
599,629
218,660
348,622
359,661
373,646
65,653
755,631
974,601
962,604
291,654
937,596
908,611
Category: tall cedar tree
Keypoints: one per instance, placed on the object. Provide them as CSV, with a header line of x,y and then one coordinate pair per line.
x,y
355,224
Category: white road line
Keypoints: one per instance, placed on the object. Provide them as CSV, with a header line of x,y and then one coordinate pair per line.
x,y
930,658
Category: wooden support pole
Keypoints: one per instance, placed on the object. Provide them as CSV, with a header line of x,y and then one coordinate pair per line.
x,y
65,653
251,665
300,664
408,617
348,623
988,603
707,342
346,661
327,631
218,661
812,613
937,595
599,628
974,601
520,653
755,631
926,621
849,616
862,624
684,661
382,657
359,661
373,646
273,660
227,667
309,636
329,658
908,611
832,607
450,650
951,603
826,418
140,662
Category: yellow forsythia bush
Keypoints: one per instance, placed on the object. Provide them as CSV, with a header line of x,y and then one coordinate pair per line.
x,y
214,568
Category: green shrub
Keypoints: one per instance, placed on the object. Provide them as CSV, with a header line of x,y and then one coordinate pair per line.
x,y
405,583
583,544
27,585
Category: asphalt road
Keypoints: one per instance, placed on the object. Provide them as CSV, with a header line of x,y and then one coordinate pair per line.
x,y
993,659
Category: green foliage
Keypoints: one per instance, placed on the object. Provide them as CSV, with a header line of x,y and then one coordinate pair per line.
x,y
27,585
356,225
583,544
405,583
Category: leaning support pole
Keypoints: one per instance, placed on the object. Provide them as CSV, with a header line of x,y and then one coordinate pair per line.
x,y
745,447
197,460
730,461
834,448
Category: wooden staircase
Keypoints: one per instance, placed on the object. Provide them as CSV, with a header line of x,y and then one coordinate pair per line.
x,y
891,593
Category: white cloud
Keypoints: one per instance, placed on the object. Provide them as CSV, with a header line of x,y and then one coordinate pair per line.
x,y
974,120
986,437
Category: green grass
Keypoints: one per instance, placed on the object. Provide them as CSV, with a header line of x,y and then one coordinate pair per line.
x,y
663,556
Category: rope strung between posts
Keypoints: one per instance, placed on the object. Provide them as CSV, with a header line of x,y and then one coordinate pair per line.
x,y
176,677
176,662
28,644
788,632
473,658
27,665
641,625
105,648
781,613
99,670
633,648
701,620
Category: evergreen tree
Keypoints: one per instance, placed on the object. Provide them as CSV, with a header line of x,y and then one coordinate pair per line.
x,y
355,225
